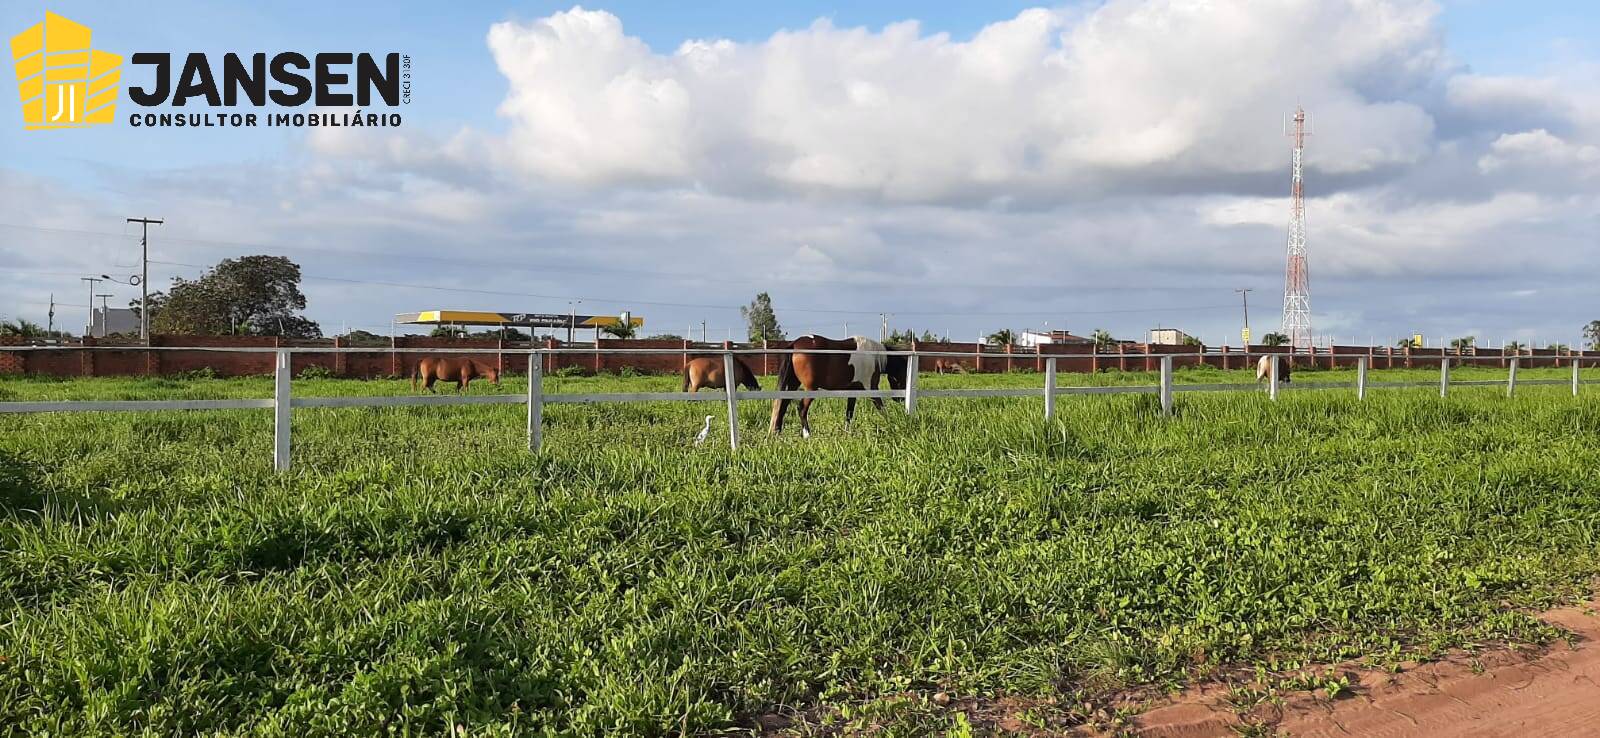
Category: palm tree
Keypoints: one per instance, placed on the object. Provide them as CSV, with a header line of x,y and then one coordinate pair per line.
x,y
1003,337
1103,340
620,330
1274,339
1463,343
22,327
1515,347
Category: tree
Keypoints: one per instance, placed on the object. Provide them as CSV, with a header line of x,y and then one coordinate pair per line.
x,y
619,330
1189,340
1274,339
1103,340
664,337
1003,337
1514,346
761,320
1463,343
23,328
360,337
1591,333
251,295
906,336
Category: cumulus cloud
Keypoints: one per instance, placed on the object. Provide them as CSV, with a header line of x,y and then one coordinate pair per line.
x,y
1133,93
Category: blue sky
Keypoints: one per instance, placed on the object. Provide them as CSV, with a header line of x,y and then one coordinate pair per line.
x,y
568,209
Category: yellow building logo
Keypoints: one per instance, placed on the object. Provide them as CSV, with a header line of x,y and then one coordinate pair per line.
x,y
63,83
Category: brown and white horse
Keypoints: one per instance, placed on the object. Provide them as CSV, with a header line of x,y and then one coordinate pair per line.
x,y
707,372
859,369
1264,368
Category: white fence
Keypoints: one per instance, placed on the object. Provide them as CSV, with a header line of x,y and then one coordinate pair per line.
x,y
283,401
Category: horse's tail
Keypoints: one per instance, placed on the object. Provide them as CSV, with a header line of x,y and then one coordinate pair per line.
x,y
786,381
685,378
415,372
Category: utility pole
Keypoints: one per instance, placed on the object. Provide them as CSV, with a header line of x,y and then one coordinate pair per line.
x,y
88,329
1244,294
144,277
572,317
50,322
105,315
702,331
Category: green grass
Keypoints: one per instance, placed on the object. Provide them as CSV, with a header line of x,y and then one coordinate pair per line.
x,y
420,570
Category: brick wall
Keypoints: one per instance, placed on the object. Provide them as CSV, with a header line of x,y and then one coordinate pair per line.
x,y
127,359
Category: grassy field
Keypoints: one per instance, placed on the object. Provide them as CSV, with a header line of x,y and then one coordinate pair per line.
x,y
419,570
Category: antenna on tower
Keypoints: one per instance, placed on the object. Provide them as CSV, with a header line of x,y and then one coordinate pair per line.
x,y
1296,285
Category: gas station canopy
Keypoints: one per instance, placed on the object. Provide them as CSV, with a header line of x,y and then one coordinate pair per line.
x,y
521,320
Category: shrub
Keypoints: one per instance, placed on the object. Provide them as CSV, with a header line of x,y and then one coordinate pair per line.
x,y
316,371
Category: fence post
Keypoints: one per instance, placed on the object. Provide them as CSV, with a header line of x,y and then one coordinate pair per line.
x,y
1272,377
1166,385
1050,389
1511,379
911,384
280,413
535,401
1361,378
733,400
1575,365
1444,375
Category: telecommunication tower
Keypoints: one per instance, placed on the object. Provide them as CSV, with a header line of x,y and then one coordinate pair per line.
x,y
1296,287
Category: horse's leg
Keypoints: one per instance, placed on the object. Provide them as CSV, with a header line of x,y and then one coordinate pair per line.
x,y
849,411
805,417
877,402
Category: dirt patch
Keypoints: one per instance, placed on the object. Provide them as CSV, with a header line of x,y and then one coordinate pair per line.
x,y
1510,692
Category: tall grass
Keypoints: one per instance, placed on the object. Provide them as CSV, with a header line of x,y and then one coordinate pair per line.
x,y
420,570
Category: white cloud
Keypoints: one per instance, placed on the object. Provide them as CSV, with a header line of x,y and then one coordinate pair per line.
x,y
1549,155
1048,101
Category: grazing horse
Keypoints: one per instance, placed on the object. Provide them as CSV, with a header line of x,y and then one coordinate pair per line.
x,y
707,372
859,369
1264,368
450,369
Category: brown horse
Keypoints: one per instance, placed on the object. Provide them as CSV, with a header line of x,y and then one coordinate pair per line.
x,y
707,372
452,369
857,370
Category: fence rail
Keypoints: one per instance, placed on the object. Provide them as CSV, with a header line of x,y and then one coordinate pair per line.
x,y
283,401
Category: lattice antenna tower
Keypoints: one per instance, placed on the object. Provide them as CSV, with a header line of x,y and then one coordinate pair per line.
x,y
1296,285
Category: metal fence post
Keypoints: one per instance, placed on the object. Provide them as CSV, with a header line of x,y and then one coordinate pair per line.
x,y
1166,385
728,379
1575,365
1272,377
1444,376
535,400
1050,389
1361,378
911,384
280,413
1511,379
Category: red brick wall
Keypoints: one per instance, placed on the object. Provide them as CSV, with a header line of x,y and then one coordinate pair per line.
x,y
511,356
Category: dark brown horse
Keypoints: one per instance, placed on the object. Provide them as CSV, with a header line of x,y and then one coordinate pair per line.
x,y
707,372
452,369
859,369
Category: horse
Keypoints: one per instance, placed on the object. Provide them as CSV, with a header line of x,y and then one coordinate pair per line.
x,y
1264,368
448,369
707,372
859,369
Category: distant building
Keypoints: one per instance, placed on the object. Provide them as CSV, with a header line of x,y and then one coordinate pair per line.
x,y
1032,339
1169,337
114,320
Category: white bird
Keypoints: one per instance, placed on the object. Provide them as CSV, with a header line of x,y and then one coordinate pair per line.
x,y
704,431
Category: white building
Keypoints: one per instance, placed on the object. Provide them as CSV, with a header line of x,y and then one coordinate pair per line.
x,y
1169,337
114,320
1032,339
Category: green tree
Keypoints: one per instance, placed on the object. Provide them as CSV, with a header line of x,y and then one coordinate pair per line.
x,y
447,331
1003,337
252,295
1189,340
1103,340
1514,346
761,320
663,337
1591,333
23,328
905,336
1463,343
620,330
1274,339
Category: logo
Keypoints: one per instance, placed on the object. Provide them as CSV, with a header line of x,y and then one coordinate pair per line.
x,y
64,83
